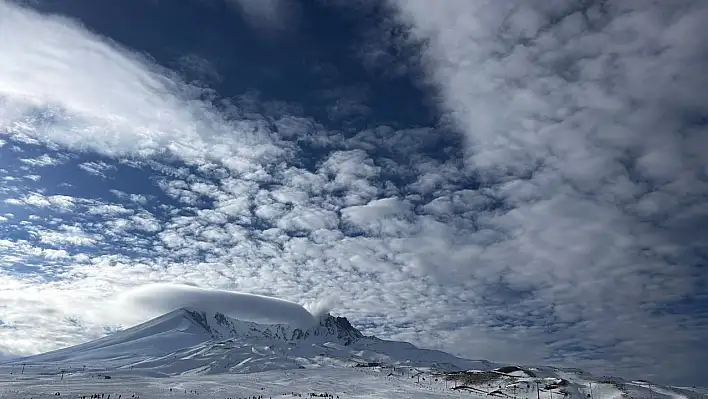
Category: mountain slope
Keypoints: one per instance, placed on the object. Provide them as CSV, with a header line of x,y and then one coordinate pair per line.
x,y
163,334
191,342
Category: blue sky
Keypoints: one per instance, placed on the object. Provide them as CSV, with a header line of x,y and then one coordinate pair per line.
x,y
522,182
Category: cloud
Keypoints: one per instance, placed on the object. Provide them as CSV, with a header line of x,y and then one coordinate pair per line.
x,y
96,168
41,161
563,131
61,202
135,93
71,235
142,109
136,198
107,210
199,67
158,299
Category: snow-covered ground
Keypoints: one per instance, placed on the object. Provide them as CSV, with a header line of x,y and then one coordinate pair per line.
x,y
188,353
43,381
342,382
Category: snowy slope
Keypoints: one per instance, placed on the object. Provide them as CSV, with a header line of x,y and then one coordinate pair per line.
x,y
191,344
191,341
43,381
163,334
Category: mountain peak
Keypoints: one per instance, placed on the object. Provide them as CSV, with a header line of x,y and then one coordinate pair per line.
x,y
220,326
341,327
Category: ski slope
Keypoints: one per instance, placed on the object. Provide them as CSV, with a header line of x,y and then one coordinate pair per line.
x,y
43,381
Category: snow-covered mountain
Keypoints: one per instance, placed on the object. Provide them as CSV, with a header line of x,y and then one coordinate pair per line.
x,y
189,342
194,341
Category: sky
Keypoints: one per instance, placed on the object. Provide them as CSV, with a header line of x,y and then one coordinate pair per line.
x,y
519,181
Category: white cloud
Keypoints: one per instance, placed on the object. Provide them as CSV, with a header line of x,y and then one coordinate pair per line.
x,y
108,210
139,199
308,218
41,161
96,168
84,63
105,98
354,172
67,235
145,221
157,299
384,217
61,202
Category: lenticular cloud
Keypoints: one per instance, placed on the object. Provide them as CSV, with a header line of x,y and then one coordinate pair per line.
x,y
153,299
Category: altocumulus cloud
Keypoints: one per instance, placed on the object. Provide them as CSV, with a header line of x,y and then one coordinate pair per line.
x,y
554,213
588,121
